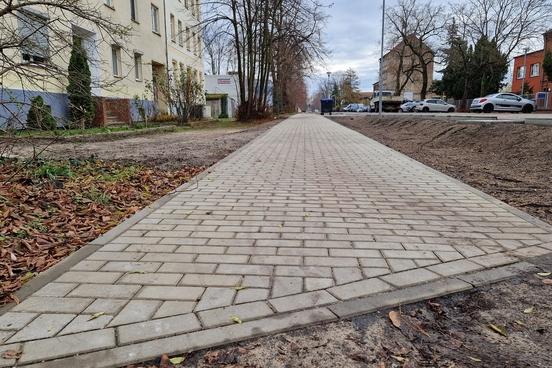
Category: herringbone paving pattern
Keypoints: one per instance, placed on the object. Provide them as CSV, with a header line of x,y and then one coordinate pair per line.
x,y
307,215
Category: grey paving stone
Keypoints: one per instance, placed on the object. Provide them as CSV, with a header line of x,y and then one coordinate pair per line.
x,y
407,278
107,306
188,268
15,321
302,301
131,266
88,265
115,256
151,278
244,269
85,322
170,293
210,280
89,277
56,289
314,283
136,311
370,272
359,288
105,291
151,248
214,297
43,326
256,281
303,271
346,275
173,308
251,295
66,345
455,267
53,305
157,328
286,286
493,260
398,297
245,312
4,336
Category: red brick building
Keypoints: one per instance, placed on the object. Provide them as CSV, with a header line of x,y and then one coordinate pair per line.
x,y
530,69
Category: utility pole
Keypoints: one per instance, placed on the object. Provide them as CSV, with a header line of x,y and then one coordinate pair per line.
x,y
380,83
329,85
526,50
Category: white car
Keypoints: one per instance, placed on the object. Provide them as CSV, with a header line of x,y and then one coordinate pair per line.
x,y
503,102
435,105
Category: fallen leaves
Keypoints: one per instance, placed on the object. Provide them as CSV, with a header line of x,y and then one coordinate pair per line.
x,y
529,310
395,318
12,354
236,320
547,281
544,274
176,360
501,330
95,316
41,223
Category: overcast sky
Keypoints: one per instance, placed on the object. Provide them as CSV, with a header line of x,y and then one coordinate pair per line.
x,y
352,35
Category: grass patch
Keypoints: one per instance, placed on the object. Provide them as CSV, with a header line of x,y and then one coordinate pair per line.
x,y
60,132
52,171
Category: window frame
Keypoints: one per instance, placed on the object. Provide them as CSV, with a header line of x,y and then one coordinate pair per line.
x,y
155,19
521,72
531,70
134,10
138,67
116,62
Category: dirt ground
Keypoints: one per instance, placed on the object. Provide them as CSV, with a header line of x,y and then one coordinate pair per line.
x,y
448,332
511,162
197,147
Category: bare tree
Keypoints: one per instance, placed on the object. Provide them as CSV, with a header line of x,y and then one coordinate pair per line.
x,y
272,41
417,25
508,23
218,50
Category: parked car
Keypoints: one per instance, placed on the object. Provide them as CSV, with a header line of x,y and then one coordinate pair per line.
x,y
435,105
351,108
362,108
503,102
408,106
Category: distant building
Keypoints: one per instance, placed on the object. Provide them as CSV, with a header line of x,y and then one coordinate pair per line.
x,y
222,95
530,69
400,71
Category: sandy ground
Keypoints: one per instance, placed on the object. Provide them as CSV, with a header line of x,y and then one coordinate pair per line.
x,y
511,162
202,147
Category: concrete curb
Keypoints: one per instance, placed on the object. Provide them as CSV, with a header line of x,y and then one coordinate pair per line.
x,y
54,272
205,339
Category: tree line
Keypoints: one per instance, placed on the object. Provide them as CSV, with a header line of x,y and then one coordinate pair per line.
x,y
269,44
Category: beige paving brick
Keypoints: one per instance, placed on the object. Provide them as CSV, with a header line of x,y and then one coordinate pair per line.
x,y
188,293
245,312
157,328
302,301
359,288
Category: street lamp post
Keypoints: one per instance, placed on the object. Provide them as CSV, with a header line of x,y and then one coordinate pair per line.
x,y
380,109
526,50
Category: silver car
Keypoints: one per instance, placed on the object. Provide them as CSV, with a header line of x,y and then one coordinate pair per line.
x,y
503,102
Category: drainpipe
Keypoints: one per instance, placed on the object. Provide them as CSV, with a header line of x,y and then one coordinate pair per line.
x,y
167,56
524,71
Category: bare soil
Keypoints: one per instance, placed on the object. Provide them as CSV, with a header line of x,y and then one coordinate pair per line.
x,y
511,162
448,332
196,147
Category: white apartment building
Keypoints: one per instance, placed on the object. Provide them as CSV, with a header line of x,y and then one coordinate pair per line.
x,y
164,40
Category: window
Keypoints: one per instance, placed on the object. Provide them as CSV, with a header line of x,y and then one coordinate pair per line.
x,y
173,29
33,30
109,3
535,70
116,60
154,18
133,10
180,34
521,72
138,66
188,40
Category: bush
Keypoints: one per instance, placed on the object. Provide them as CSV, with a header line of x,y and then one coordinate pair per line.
x,y
81,104
223,116
40,115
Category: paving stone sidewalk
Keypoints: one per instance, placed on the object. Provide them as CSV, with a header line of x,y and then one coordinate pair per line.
x,y
308,215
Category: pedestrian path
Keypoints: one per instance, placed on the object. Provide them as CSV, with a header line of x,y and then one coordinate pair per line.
x,y
305,217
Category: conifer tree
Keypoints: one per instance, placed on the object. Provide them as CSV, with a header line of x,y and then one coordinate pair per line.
x,y
79,90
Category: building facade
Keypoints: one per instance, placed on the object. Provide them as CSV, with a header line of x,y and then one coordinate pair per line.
x,y
222,95
528,68
127,72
